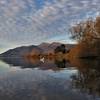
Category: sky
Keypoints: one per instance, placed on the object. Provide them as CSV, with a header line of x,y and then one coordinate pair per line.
x,y
29,22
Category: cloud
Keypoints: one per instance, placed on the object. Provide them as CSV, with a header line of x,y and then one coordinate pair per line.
x,y
23,23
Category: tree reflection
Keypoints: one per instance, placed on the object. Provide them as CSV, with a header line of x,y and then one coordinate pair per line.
x,y
88,77
61,63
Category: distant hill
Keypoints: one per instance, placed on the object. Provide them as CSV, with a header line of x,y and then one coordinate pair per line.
x,y
20,51
43,48
49,47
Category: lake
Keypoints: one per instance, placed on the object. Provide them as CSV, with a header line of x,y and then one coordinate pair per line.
x,y
32,79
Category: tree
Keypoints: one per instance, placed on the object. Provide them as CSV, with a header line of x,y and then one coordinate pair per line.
x,y
61,48
87,31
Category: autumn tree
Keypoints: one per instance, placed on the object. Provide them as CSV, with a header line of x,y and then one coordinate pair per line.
x,y
87,31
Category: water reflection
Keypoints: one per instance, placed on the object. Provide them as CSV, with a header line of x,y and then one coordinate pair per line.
x,y
21,62
61,63
87,79
55,79
53,64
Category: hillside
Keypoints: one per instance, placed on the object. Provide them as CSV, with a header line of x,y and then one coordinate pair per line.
x,y
49,47
20,51
43,48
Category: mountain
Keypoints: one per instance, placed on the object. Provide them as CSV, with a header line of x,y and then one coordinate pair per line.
x,y
21,51
49,47
43,48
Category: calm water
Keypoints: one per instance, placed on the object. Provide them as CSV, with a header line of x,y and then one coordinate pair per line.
x,y
29,79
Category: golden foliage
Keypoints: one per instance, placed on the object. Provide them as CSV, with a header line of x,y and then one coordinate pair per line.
x,y
88,35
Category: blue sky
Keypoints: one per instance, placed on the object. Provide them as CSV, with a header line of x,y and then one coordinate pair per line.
x,y
27,22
